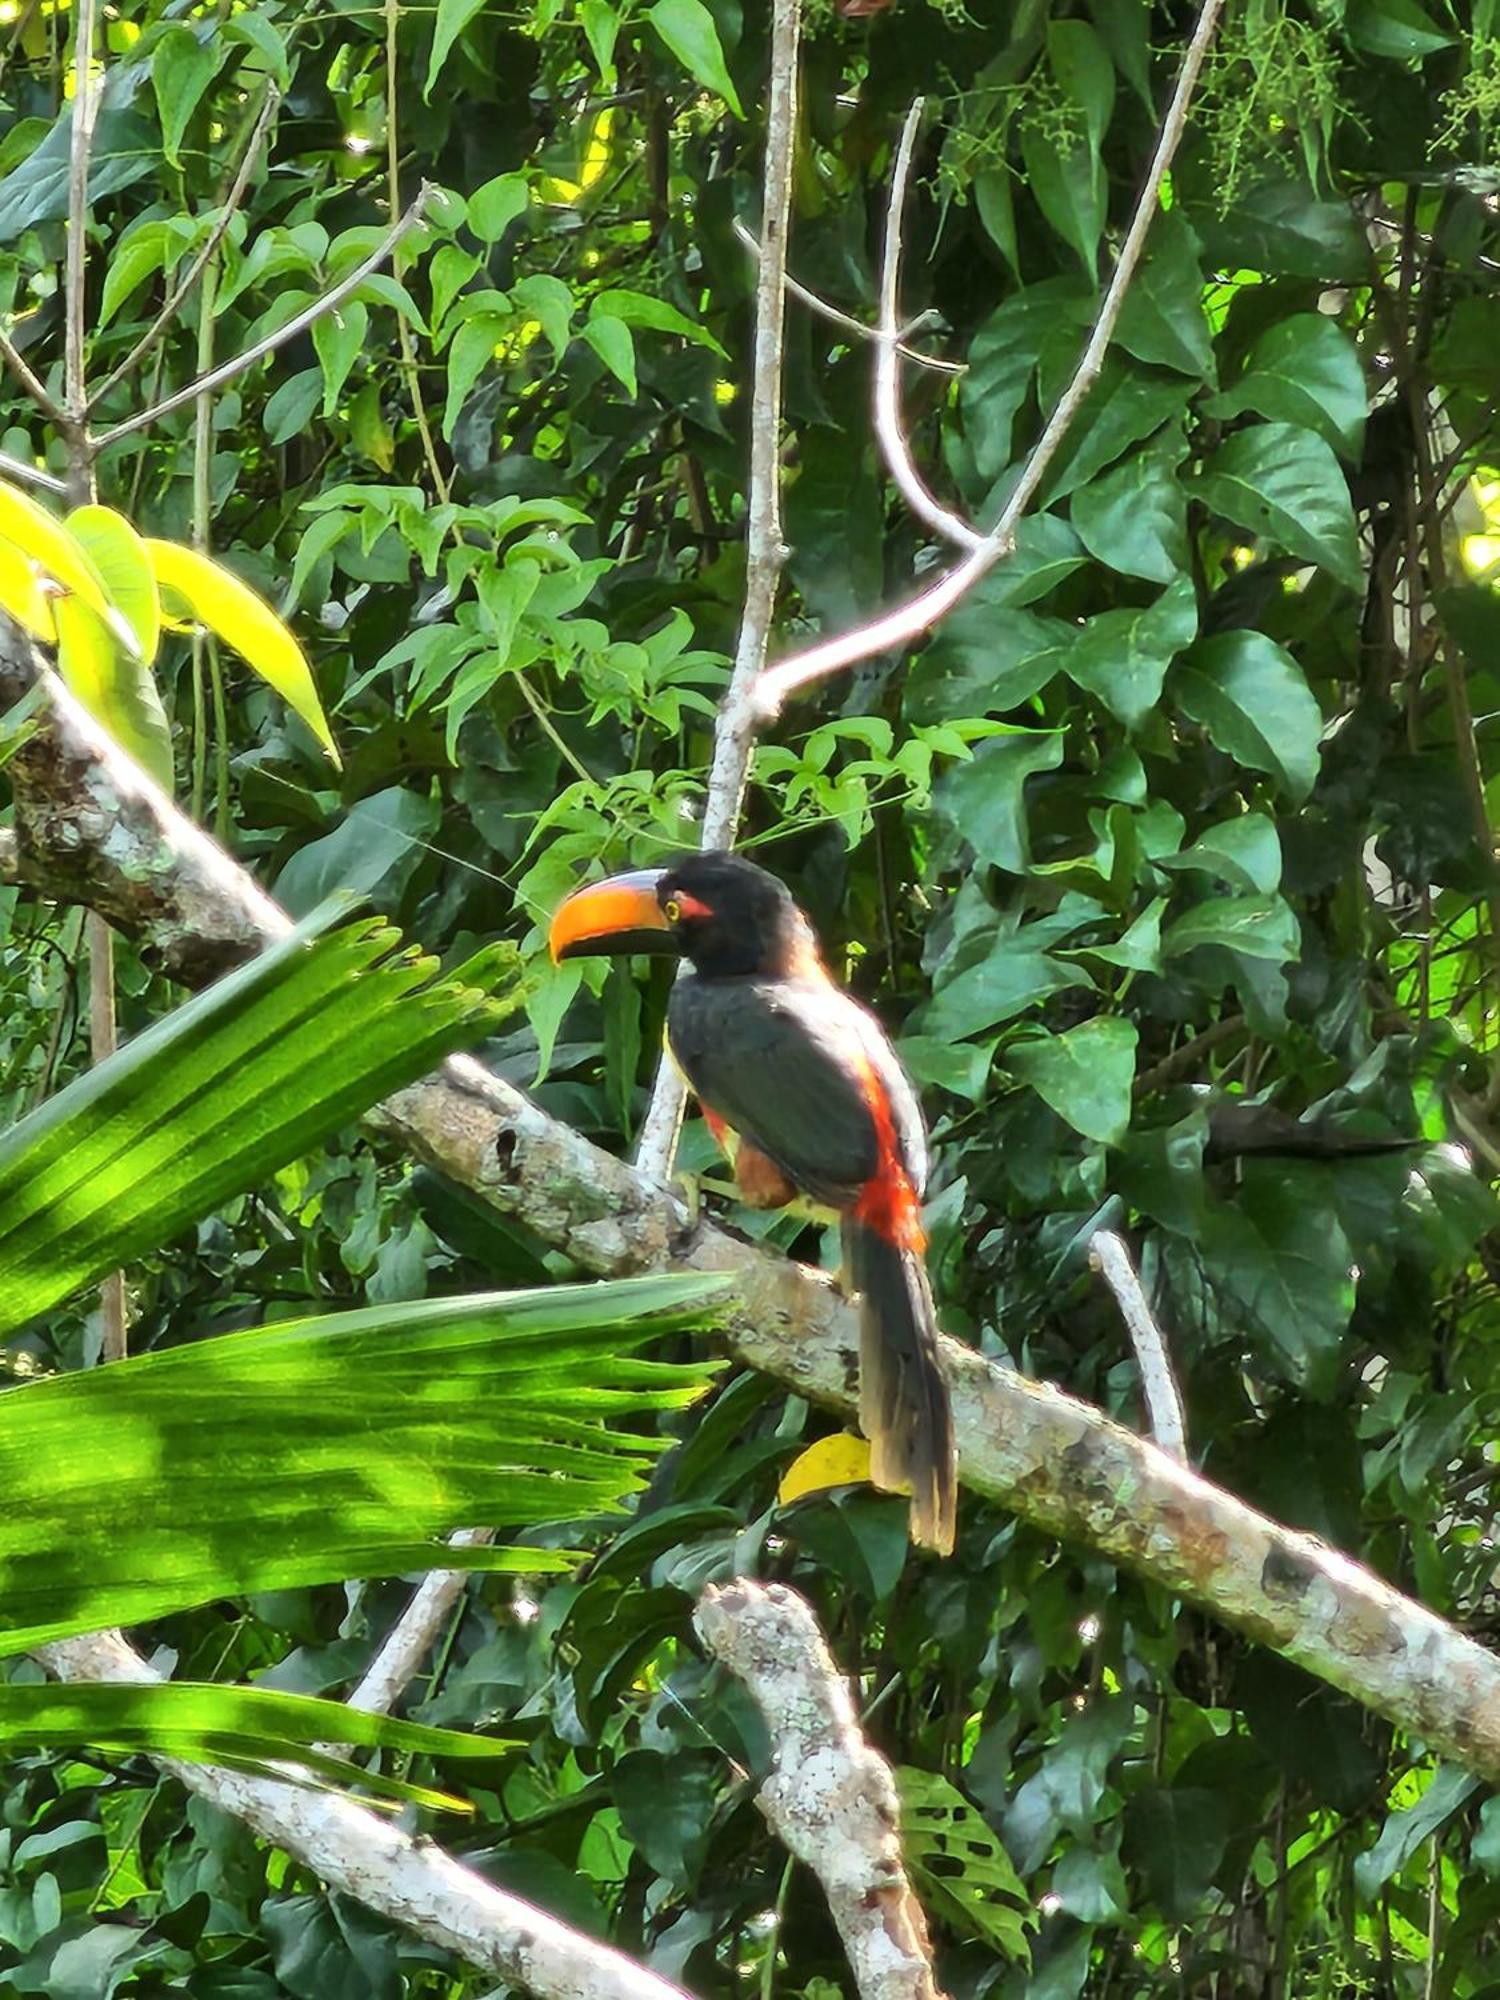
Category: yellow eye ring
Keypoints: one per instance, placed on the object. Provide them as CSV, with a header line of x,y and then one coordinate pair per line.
x,y
673,910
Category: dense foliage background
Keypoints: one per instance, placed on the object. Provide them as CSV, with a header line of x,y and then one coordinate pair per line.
x,y
1169,859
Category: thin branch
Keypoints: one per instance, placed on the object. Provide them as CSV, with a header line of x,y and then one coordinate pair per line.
x,y
92,828
1110,1257
227,213
888,427
734,732
279,337
32,383
909,621
81,141
17,468
415,1632
836,316
830,1798
405,1877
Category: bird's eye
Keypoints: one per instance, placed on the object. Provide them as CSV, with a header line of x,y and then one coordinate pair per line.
x,y
673,910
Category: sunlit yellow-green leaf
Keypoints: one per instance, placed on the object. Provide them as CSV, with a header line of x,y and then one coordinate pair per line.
x,y
22,594
217,598
120,556
839,1460
116,689
43,538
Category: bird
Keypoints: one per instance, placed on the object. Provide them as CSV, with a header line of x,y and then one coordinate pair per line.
x,y
805,1094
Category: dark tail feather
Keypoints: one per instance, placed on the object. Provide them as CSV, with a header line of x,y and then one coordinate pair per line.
x,y
903,1397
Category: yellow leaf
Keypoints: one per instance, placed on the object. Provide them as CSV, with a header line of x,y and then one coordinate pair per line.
x,y
119,555
43,538
217,598
114,686
22,595
840,1460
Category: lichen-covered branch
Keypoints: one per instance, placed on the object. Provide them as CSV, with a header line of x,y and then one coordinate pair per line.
x,y
830,1798
403,1876
1056,1461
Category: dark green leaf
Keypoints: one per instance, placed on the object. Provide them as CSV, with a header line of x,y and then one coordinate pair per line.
x,y
1085,1075
1252,699
1283,483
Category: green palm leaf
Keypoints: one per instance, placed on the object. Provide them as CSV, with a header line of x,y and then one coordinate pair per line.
x,y
240,1728
263,1066
328,1448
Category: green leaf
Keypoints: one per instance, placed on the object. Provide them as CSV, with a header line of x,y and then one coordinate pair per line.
x,y
184,64
1006,983
688,30
1123,656
492,209
213,1100
1080,63
959,1866
235,1726
1245,853
612,341
1068,184
1304,370
997,211
1252,699
1134,517
667,1807
1162,319
115,687
470,353
1257,926
601,24
153,247
547,300
984,800
1283,483
325,1448
453,16
1002,360
1401,29
1279,1251
339,338
1084,1075
214,596
641,309
449,271
986,658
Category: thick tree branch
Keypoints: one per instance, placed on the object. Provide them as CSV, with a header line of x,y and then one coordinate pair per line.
x,y
735,730
1056,1461
830,1798
405,1877
908,622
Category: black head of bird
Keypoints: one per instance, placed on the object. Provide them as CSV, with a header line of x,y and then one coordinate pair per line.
x,y
729,918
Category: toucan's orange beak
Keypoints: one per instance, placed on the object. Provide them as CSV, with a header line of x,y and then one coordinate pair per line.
x,y
618,916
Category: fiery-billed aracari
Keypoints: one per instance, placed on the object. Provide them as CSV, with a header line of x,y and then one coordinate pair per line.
x,y
799,1080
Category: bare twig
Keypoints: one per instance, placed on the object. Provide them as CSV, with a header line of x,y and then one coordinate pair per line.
x,y
909,621
1110,1257
227,212
405,1877
279,337
75,301
411,1638
830,1798
32,383
33,475
836,316
888,427
734,732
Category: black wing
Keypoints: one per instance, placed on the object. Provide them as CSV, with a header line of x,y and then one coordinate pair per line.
x,y
786,1062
